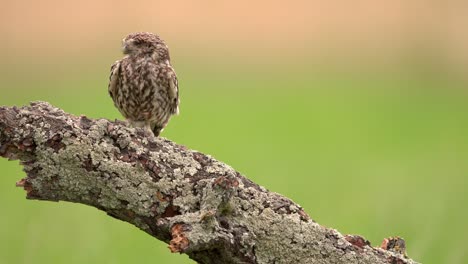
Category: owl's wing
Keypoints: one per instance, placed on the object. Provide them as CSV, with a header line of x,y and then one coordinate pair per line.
x,y
173,91
114,79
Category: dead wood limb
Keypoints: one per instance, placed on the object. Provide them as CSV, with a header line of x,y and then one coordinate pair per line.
x,y
196,204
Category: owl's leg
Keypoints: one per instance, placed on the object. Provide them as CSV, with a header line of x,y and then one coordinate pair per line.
x,y
148,126
141,124
134,123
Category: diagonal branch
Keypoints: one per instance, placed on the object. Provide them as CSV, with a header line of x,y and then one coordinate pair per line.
x,y
196,204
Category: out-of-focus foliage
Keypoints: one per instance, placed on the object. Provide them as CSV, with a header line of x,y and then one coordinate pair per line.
x,y
365,129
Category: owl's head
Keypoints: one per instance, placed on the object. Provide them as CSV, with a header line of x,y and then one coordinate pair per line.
x,y
145,43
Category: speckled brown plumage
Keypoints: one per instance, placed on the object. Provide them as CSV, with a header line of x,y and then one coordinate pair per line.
x,y
143,84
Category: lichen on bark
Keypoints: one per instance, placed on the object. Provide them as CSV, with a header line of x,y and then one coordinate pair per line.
x,y
196,204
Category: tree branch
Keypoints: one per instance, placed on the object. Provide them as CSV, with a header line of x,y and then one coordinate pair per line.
x,y
196,204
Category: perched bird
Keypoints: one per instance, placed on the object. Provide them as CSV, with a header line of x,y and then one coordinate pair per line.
x,y
143,84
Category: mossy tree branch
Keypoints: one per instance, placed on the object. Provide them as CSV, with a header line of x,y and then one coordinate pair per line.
x,y
196,204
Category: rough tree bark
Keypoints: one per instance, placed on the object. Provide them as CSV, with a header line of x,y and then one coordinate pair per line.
x,y
196,204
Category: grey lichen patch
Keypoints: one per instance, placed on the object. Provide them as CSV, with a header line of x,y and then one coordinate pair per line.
x,y
218,168
251,201
185,200
174,166
270,226
211,198
98,129
61,177
130,184
177,159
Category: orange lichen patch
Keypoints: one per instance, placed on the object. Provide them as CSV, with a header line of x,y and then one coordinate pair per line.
x,y
384,244
357,241
304,215
395,244
226,182
27,186
207,215
110,127
21,183
162,198
179,241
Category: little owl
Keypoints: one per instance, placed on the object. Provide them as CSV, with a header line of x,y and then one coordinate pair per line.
x,y
143,84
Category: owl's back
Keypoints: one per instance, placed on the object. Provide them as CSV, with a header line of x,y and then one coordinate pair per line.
x,y
144,90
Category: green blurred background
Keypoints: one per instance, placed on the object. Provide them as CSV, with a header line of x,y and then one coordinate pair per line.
x,y
356,111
